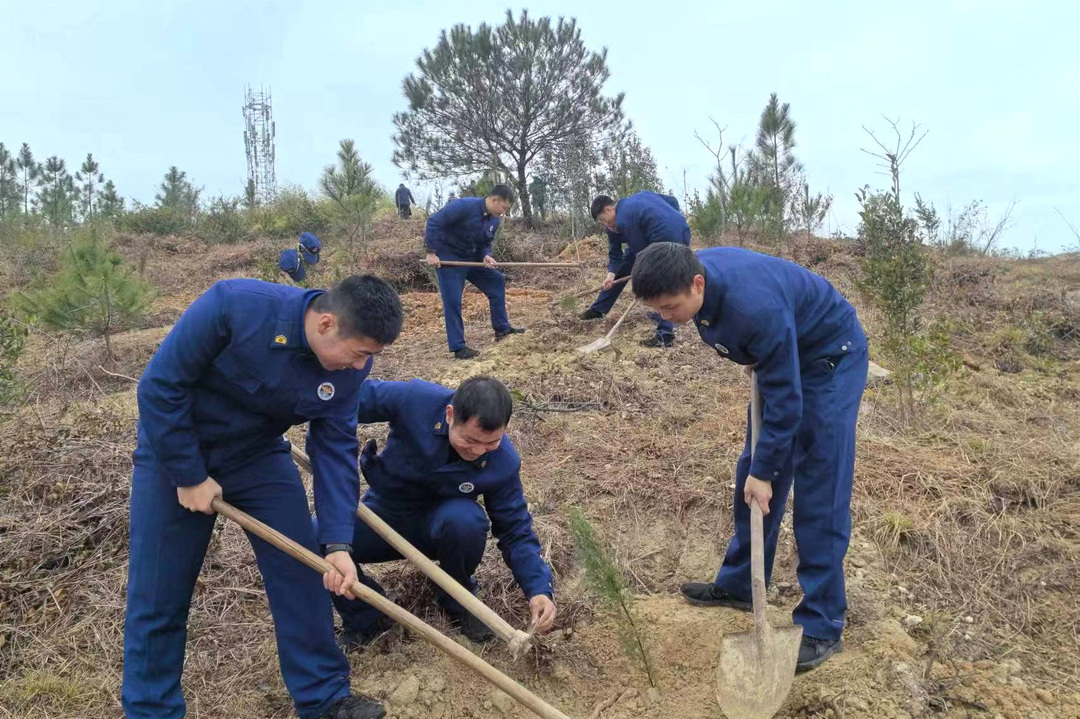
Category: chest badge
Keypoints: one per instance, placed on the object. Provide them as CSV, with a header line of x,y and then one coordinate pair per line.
x,y
326,391
466,487
281,339
721,348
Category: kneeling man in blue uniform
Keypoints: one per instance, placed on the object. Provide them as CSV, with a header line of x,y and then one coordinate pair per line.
x,y
463,231
244,363
445,450
636,221
808,350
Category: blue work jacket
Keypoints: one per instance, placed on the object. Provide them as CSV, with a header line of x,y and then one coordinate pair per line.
x,y
416,468
233,374
463,230
640,220
765,311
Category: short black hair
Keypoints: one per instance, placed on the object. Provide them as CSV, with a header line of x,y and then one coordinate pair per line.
x,y
504,192
665,268
485,398
599,204
365,306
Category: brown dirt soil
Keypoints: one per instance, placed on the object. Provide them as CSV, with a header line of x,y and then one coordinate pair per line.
x,y
962,574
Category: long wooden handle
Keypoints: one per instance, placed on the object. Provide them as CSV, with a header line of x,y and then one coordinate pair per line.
x,y
757,531
615,329
456,263
601,287
517,640
534,703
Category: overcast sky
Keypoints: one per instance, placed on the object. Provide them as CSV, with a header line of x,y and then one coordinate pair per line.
x,y
148,85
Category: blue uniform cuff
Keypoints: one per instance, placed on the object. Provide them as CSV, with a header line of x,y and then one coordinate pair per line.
x,y
185,475
335,533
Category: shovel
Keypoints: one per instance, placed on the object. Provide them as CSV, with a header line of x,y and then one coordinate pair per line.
x,y
516,639
604,342
527,699
756,668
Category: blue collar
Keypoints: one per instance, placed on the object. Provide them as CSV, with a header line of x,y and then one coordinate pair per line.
x,y
714,297
439,427
289,329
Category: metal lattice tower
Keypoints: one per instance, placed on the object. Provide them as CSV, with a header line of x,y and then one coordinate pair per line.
x,y
259,134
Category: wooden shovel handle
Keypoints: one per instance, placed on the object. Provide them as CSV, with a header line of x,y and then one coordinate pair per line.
x,y
534,703
757,531
601,287
517,640
615,329
456,263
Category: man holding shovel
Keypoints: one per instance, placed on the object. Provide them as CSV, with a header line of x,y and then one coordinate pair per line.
x,y
805,343
244,363
463,230
446,449
636,221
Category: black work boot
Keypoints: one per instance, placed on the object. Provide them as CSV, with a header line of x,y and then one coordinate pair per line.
x,y
465,353
473,629
512,331
591,314
354,639
707,594
813,652
657,341
355,707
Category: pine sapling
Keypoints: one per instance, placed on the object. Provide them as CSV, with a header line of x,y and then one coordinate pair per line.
x,y
604,578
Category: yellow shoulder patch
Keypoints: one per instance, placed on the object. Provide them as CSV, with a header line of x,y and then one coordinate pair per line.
x,y
281,339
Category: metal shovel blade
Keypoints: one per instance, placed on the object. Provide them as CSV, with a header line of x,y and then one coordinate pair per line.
x,y
755,671
595,346
756,668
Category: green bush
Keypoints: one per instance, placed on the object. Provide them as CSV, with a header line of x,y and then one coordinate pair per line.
x,y
707,217
154,221
12,342
223,221
94,291
291,213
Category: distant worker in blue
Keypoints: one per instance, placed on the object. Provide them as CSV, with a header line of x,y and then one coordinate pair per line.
x,y
445,450
244,363
807,348
464,231
636,221
404,200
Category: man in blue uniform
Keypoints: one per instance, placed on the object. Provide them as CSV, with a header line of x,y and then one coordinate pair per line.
x,y
464,231
807,348
245,362
404,200
446,448
636,221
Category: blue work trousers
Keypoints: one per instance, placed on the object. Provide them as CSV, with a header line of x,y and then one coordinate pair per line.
x,y
822,467
451,287
168,544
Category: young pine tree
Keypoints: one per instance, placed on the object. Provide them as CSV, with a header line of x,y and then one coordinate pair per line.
x,y
94,291
607,581
350,185
178,195
110,205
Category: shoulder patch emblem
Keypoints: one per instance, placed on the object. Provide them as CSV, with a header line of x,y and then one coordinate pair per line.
x,y
466,487
281,339
326,391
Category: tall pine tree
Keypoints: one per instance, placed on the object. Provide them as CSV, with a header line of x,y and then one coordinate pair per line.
x,y
90,176
9,191
30,171
58,192
776,143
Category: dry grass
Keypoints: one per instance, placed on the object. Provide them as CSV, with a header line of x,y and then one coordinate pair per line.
x,y
974,512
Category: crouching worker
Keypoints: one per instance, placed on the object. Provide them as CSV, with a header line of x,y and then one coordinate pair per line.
x,y
244,363
446,449
805,343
